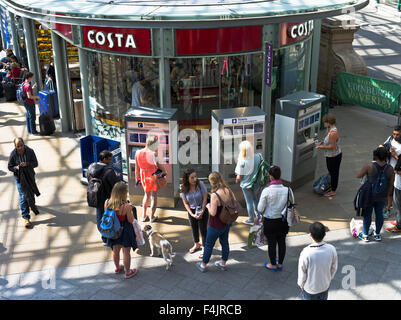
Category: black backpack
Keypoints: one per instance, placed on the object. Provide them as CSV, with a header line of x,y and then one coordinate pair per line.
x,y
95,193
380,184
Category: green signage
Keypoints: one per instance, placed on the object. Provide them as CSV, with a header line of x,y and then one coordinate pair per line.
x,y
369,92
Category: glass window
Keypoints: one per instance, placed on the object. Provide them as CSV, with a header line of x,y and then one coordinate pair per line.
x,y
289,72
200,85
115,84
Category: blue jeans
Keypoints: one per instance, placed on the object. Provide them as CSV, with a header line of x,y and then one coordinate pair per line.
x,y
251,202
367,217
23,203
30,118
319,296
211,238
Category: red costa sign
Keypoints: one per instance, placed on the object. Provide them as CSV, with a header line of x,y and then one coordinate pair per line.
x,y
65,29
295,31
118,39
217,41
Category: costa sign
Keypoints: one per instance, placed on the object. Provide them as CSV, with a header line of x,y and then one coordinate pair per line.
x,y
295,31
118,39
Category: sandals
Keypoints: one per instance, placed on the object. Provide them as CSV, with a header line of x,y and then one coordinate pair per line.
x,y
193,250
269,268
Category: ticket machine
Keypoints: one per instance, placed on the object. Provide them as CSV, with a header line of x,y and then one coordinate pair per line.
x,y
229,128
139,123
296,128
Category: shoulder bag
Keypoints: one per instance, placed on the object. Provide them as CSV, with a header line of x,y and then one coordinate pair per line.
x,y
230,211
291,214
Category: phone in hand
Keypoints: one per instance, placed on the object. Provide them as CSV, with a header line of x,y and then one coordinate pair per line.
x,y
158,171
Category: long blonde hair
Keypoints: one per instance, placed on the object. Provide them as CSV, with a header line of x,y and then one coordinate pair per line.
x,y
118,196
216,181
245,150
152,142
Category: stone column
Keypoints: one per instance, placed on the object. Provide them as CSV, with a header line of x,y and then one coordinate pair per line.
x,y
337,54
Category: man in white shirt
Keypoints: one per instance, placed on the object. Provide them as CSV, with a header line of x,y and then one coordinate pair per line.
x,y
317,265
393,145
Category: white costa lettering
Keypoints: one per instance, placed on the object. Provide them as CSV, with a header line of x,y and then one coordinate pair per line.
x,y
100,38
130,41
301,30
90,36
113,39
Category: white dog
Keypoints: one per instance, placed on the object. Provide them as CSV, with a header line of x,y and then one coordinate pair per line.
x,y
159,243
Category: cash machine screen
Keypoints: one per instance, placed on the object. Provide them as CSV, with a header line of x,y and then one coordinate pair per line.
x,y
308,121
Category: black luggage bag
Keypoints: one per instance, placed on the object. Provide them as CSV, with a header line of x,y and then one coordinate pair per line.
x,y
46,125
10,91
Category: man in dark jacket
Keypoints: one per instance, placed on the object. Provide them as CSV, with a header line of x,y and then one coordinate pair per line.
x,y
22,162
103,170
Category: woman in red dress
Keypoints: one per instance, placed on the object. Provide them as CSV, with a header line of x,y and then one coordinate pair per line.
x,y
146,163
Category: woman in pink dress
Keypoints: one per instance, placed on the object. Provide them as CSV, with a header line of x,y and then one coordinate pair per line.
x,y
146,163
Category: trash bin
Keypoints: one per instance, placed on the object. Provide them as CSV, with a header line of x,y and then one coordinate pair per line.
x,y
91,146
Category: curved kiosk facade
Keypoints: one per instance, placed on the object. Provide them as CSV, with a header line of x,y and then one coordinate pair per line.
x,y
180,55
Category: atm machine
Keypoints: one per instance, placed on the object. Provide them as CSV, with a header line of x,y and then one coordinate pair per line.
x,y
139,123
296,128
229,128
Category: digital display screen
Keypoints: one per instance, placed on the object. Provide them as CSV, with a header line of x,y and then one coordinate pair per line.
x,y
133,137
133,151
317,116
142,137
300,124
238,130
312,119
258,128
248,129
228,131
306,122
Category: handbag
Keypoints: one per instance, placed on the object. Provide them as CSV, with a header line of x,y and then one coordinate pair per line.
x,y
291,214
257,236
230,211
140,240
160,180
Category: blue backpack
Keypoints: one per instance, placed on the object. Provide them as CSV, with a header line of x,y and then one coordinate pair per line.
x,y
322,184
380,184
21,96
110,227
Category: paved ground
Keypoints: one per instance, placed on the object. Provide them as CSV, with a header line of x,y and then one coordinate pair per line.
x,y
64,244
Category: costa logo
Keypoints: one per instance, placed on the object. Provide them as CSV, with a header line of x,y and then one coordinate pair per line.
x,y
118,39
301,30
295,31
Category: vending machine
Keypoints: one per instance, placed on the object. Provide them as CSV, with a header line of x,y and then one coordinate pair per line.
x,y
296,129
139,123
229,128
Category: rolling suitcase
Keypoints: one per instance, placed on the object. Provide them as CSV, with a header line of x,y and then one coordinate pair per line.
x,y
10,91
46,125
48,103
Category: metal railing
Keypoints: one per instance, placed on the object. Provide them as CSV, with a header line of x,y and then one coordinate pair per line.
x,y
394,2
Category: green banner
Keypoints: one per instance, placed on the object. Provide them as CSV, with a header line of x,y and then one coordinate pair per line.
x,y
369,92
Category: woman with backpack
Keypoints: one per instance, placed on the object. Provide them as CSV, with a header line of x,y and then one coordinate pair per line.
x,y
217,229
246,168
194,197
381,175
127,240
332,152
273,205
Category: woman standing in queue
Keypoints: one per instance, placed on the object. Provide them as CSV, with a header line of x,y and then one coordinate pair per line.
x,y
273,205
332,152
194,197
246,168
127,240
217,229
146,164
